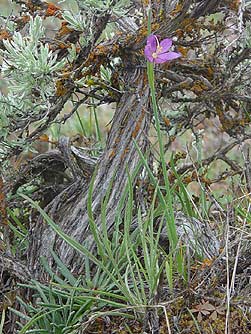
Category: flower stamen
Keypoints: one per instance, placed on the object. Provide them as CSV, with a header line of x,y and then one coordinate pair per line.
x,y
159,49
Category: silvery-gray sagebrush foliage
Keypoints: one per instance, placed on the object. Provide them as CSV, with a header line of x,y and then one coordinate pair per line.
x,y
115,6
28,67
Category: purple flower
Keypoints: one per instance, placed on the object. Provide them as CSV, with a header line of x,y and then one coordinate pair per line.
x,y
156,52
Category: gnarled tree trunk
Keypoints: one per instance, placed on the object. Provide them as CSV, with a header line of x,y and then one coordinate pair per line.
x,y
131,123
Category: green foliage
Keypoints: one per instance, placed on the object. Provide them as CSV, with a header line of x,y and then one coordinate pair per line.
x,y
28,66
124,273
116,6
20,232
76,21
62,307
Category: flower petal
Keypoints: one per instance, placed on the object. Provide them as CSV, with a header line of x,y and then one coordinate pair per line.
x,y
150,47
163,57
166,44
148,51
149,57
173,55
152,43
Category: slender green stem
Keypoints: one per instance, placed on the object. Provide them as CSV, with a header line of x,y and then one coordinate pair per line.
x,y
81,123
173,238
151,79
98,132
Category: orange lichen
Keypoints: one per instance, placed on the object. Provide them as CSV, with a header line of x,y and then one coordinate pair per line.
x,y
187,179
188,24
101,50
52,10
179,33
100,56
138,125
143,32
96,55
210,72
183,50
59,46
112,154
126,150
44,138
166,121
145,3
198,87
136,130
4,34
234,5
176,10
61,90
205,180
207,263
155,26
64,29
